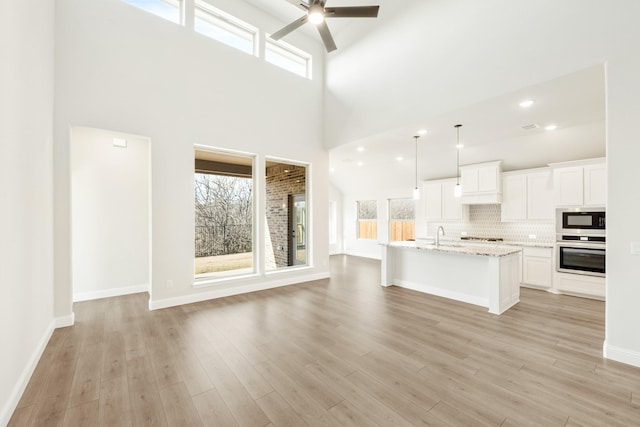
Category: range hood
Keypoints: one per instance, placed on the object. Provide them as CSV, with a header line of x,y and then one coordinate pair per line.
x,y
482,183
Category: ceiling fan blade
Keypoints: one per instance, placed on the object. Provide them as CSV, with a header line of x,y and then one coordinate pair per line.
x,y
300,4
289,28
326,36
351,12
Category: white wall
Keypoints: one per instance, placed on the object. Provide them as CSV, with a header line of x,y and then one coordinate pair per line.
x,y
457,53
110,211
118,67
26,230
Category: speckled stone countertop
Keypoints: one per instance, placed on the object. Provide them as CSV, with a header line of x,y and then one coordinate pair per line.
x,y
528,243
457,248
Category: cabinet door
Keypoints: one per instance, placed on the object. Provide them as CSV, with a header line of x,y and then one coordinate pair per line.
x,y
568,186
595,185
433,200
536,271
514,197
451,205
488,179
540,197
469,180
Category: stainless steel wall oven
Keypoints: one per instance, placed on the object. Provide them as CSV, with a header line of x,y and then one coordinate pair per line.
x,y
581,241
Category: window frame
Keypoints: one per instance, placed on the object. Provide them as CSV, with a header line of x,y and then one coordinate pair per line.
x,y
358,220
403,220
291,53
178,4
223,276
227,23
309,215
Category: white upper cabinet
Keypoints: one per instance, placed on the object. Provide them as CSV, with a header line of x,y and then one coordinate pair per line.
x,y
540,204
514,197
440,202
527,195
433,199
481,183
581,183
569,186
595,185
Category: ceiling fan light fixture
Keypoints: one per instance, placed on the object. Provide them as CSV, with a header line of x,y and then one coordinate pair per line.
x,y
316,14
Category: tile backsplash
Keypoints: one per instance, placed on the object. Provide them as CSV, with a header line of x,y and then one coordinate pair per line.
x,y
484,221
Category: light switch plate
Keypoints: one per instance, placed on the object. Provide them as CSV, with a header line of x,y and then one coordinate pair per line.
x,y
635,248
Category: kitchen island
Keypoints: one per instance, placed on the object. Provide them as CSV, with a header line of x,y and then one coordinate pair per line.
x,y
485,276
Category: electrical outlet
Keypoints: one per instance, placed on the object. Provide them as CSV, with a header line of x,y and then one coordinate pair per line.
x,y
532,236
169,283
463,233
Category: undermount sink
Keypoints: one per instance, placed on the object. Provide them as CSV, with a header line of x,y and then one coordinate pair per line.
x,y
442,244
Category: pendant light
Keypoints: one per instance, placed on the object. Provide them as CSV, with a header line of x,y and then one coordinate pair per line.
x,y
416,191
457,191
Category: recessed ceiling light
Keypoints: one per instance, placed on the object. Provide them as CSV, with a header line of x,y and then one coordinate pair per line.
x,y
360,149
422,132
360,163
459,146
332,170
399,158
551,127
527,103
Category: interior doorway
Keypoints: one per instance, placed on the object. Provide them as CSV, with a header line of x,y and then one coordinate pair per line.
x,y
110,213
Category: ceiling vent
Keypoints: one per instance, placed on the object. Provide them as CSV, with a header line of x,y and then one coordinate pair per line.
x,y
531,126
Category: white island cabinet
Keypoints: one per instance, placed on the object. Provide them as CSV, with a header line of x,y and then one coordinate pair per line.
x,y
484,276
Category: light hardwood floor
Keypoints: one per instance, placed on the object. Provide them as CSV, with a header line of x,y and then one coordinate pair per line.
x,y
342,351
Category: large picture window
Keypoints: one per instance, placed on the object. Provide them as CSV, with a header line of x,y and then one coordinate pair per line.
x,y
223,214
402,214
367,220
286,215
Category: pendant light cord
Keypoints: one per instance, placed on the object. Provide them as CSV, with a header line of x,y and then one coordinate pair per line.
x,y
416,137
458,154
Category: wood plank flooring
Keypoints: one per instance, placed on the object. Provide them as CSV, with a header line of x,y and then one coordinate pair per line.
x,y
338,352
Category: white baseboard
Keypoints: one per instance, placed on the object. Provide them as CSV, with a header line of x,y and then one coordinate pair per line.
x,y
630,357
470,299
364,255
7,409
222,292
108,293
64,321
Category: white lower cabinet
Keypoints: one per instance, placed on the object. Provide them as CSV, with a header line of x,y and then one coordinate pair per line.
x,y
581,285
537,267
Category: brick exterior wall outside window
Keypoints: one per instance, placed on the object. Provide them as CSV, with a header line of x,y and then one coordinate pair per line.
x,y
279,186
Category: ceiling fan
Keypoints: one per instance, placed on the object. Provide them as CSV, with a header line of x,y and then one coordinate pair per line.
x,y
317,14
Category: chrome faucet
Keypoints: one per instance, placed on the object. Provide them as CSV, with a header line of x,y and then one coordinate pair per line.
x,y
438,234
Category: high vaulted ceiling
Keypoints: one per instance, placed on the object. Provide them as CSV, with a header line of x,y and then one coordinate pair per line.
x,y
492,130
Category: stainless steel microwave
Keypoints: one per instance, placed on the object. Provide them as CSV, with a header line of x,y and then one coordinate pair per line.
x,y
581,221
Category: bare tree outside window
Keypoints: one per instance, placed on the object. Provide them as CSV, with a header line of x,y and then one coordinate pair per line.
x,y
223,222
